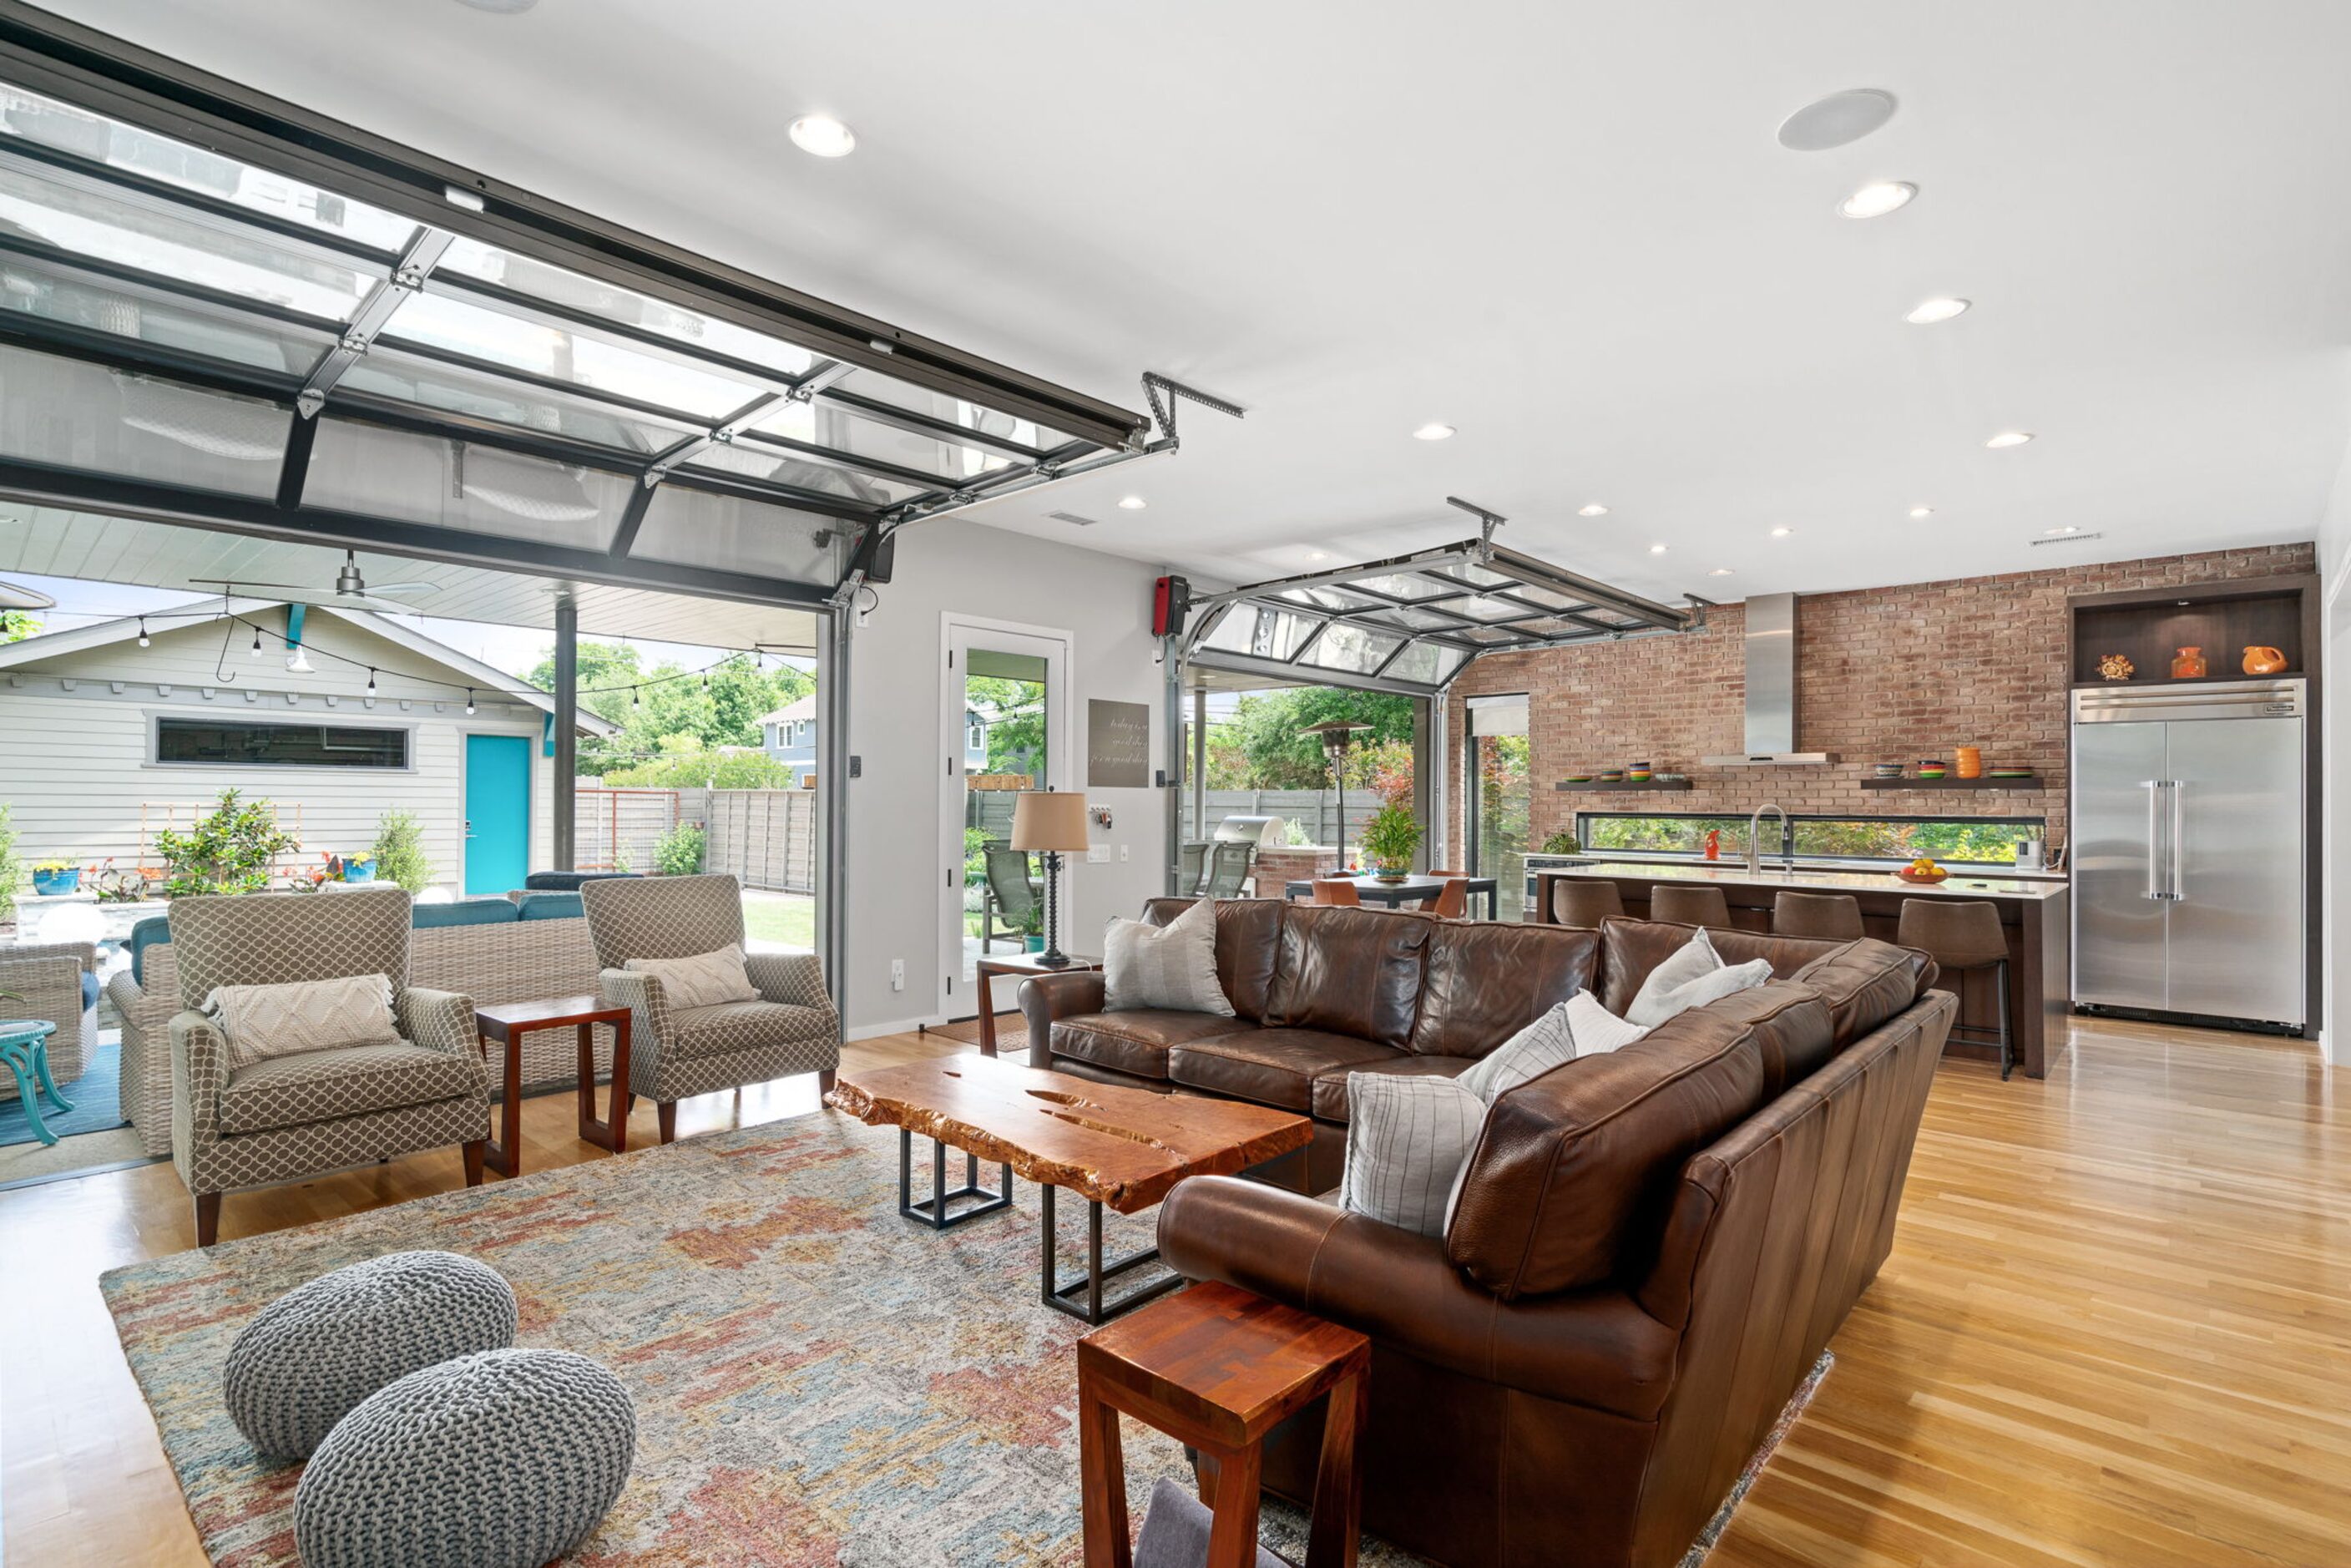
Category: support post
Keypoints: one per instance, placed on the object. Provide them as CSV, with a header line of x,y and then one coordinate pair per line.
x,y
1200,763
1171,720
832,739
567,731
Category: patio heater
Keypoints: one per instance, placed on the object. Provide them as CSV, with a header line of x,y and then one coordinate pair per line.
x,y
1052,823
1338,735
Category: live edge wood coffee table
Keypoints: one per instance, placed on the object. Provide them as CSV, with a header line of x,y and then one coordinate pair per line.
x,y
505,1023
1109,1145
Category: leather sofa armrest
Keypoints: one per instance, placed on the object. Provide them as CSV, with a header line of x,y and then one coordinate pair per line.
x,y
1595,1348
1044,997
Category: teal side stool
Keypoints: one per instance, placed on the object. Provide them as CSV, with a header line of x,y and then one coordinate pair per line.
x,y
24,1046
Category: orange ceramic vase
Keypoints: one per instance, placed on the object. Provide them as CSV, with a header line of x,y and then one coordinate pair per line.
x,y
1969,760
2263,661
2189,664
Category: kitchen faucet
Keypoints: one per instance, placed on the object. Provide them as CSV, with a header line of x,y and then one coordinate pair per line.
x,y
1755,835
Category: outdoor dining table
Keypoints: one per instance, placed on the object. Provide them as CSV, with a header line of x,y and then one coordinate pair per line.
x,y
1414,889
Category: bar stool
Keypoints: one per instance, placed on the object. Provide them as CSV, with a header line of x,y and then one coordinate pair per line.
x,y
1684,905
1335,890
1584,904
1452,899
1831,916
1961,934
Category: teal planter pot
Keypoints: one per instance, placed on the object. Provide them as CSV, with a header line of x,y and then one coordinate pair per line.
x,y
358,868
49,883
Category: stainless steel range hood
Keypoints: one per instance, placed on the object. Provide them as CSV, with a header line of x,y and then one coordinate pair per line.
x,y
1771,690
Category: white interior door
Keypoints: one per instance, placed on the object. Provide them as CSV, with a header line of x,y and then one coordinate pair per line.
x,y
1003,725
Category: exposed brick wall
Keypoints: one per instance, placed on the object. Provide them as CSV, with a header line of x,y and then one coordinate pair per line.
x,y
1883,674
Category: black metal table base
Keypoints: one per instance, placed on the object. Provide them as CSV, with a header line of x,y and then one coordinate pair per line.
x,y
934,1211
1082,1298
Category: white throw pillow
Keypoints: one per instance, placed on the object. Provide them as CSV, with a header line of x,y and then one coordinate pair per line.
x,y
702,981
1597,1030
1172,966
1546,1043
1691,978
1407,1140
263,1021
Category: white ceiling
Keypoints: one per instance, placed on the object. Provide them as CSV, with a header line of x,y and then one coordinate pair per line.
x,y
1565,227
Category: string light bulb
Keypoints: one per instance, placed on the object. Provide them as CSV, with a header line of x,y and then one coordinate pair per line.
x,y
371,680
256,639
469,702
636,697
143,631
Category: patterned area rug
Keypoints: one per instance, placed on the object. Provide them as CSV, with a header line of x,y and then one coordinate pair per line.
x,y
817,1380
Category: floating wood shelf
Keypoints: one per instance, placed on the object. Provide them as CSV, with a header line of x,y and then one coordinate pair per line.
x,y
2035,782
1645,786
2143,680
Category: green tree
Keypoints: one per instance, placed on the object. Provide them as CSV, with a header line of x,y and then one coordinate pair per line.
x,y
1014,712
1274,754
721,707
16,626
12,870
229,850
399,852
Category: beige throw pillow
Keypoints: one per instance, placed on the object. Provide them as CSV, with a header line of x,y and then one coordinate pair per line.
x,y
263,1021
702,981
1172,966
1691,978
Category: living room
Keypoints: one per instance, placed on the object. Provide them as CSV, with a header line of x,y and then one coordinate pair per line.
x,y
792,787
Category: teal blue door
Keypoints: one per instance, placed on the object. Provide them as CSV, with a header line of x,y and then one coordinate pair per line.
x,y
498,813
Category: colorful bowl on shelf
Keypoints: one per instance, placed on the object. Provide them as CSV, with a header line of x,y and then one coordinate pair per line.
x,y
2007,772
1611,776
1930,768
1579,777
1886,769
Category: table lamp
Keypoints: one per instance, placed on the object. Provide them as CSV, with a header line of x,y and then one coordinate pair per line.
x,y
1053,823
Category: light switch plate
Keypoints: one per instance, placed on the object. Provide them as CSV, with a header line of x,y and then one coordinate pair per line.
x,y
1097,854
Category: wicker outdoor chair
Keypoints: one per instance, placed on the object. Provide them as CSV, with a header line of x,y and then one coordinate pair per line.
x,y
677,1051
48,976
1012,896
291,1117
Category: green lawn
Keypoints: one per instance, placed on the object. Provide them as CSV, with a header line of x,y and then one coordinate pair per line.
x,y
786,917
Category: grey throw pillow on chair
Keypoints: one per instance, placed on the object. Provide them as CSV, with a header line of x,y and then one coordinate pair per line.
x,y
1172,966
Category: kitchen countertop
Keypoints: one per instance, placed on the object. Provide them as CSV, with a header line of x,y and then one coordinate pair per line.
x,y
1959,884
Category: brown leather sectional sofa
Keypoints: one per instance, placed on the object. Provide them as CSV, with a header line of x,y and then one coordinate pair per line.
x,y
1650,1249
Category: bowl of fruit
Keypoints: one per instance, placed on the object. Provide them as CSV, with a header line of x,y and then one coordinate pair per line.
x,y
1923,869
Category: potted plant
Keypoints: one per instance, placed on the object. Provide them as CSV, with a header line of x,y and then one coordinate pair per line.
x,y
358,868
1033,928
1562,845
1390,840
51,878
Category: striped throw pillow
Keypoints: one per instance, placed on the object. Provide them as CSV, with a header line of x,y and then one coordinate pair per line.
x,y
1172,966
1407,1140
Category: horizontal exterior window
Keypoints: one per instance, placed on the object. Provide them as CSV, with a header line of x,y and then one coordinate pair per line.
x,y
1961,840
244,744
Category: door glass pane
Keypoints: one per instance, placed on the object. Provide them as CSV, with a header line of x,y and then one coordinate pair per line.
x,y
74,415
1003,740
461,485
839,429
410,378
880,388
591,364
1499,798
151,317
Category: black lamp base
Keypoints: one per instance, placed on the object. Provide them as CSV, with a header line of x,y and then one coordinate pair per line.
x,y
1053,957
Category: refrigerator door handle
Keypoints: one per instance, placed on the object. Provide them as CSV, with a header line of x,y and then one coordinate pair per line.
x,y
2178,836
2154,788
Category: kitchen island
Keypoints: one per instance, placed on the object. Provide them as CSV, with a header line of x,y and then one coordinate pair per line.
x,y
2033,914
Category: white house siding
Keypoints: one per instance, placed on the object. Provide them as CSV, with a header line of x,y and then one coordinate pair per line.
x,y
74,767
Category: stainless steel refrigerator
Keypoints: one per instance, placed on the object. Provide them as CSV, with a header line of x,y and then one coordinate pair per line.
x,y
2190,826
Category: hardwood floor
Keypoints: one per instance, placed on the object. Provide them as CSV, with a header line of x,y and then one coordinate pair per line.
x,y
2115,1328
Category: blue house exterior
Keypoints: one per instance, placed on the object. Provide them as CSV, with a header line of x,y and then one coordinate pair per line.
x,y
788,735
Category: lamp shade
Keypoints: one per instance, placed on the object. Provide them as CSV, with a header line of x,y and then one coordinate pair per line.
x,y
1049,820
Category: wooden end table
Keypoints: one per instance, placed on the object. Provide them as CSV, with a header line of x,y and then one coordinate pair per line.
x,y
1023,964
1217,1369
505,1023
1111,1145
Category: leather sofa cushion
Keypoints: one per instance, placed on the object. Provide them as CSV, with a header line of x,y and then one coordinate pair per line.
x,y
306,1086
1795,1034
1482,982
1573,1172
1248,935
1630,948
1349,971
1271,1066
1331,1087
1867,982
1136,1041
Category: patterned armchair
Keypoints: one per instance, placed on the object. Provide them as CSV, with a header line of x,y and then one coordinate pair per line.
x,y
49,976
290,1117
677,1051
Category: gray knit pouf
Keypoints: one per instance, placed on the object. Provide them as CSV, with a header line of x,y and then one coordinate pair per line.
x,y
309,1356
503,1459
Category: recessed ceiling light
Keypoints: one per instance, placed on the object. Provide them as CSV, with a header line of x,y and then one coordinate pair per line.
x,y
1318,555
1722,571
1877,201
1782,533
1432,433
1922,511
1837,119
2052,533
1926,312
1656,549
1133,503
1593,510
500,7
2009,438
822,135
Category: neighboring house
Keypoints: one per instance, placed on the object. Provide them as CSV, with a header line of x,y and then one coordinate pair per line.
x,y
106,743
789,735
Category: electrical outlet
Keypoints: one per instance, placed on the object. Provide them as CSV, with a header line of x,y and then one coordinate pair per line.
x,y
1097,854
897,974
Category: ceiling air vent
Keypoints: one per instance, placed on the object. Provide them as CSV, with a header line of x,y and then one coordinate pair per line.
x,y
2066,539
1071,518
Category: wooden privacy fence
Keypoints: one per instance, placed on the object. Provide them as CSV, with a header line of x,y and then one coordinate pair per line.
x,y
1315,810
617,830
767,837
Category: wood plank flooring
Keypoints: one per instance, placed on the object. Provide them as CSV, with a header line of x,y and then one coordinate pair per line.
x,y
2115,1328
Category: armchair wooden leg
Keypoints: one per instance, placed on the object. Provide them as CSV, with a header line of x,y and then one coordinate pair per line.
x,y
824,1081
207,1218
667,1110
473,1152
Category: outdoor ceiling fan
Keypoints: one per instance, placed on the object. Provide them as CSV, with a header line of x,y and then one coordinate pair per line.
x,y
351,590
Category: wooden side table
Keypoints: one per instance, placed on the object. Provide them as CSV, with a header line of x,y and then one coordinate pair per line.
x,y
1023,964
505,1023
1218,1368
